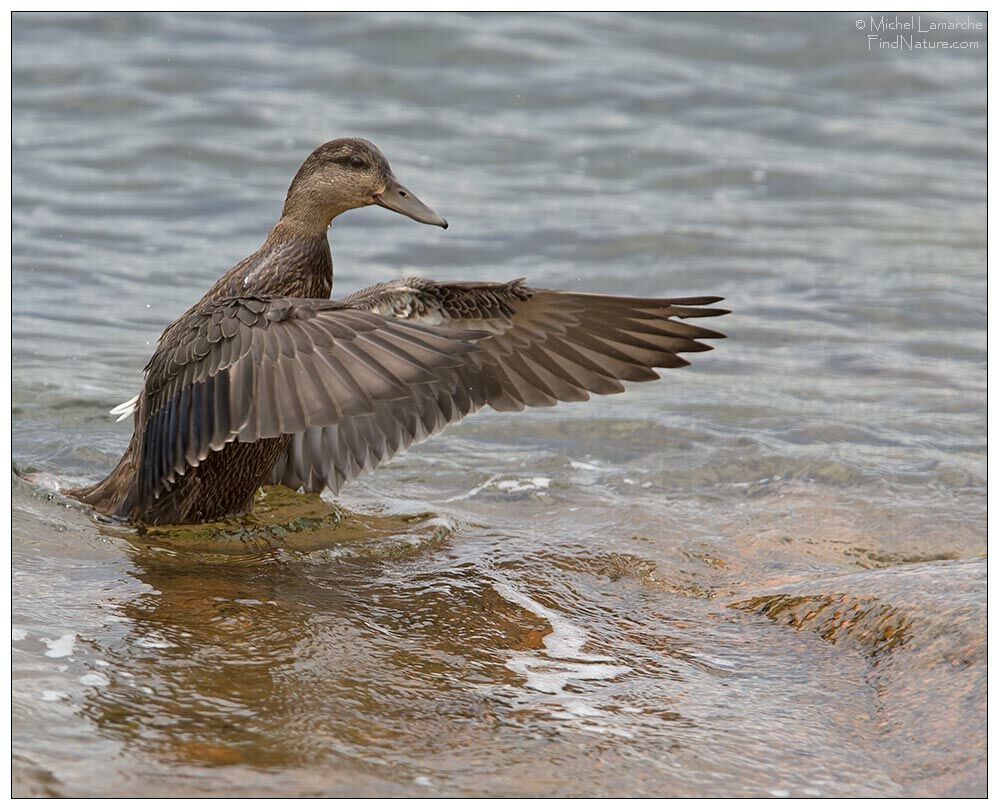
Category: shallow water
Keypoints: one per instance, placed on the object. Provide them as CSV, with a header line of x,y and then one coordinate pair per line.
x,y
763,575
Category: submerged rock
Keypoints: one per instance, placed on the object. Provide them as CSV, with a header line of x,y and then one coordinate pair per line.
x,y
922,630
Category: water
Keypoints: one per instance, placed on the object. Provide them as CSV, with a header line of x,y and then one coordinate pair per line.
x,y
763,575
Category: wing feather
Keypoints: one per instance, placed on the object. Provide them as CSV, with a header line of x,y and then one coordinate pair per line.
x,y
247,369
541,347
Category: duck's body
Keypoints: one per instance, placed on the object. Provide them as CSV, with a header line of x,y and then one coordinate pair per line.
x,y
267,380
287,264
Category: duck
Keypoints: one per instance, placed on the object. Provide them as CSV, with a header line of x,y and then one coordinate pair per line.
x,y
269,380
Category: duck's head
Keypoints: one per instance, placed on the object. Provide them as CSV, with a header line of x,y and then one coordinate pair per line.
x,y
349,173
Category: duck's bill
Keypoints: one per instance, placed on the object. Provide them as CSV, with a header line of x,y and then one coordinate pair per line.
x,y
396,197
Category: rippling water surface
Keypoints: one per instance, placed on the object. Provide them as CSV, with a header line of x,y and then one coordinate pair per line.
x,y
763,575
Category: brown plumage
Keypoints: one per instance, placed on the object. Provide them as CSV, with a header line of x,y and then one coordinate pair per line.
x,y
267,380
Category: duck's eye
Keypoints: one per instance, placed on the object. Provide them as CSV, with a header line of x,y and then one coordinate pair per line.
x,y
357,162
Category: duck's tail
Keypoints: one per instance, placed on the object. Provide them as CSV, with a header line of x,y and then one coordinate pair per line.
x,y
125,409
110,496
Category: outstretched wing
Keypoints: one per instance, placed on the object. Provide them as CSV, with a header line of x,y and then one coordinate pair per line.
x,y
245,369
541,347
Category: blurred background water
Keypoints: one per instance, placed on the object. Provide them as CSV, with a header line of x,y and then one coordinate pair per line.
x,y
763,575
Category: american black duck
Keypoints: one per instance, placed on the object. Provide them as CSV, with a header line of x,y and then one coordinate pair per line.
x,y
267,380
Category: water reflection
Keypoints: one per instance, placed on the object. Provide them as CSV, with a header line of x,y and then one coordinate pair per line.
x,y
285,658
403,657
439,670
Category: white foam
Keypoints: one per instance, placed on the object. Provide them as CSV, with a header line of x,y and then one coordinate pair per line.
x,y
552,677
61,647
523,485
565,661
473,491
566,639
18,634
508,485
563,664
52,696
45,481
152,642
95,679
578,709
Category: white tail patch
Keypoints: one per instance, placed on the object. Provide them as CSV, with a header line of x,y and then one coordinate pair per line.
x,y
125,410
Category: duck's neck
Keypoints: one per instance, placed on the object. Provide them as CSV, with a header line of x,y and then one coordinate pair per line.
x,y
293,262
300,235
307,213
288,229
303,224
